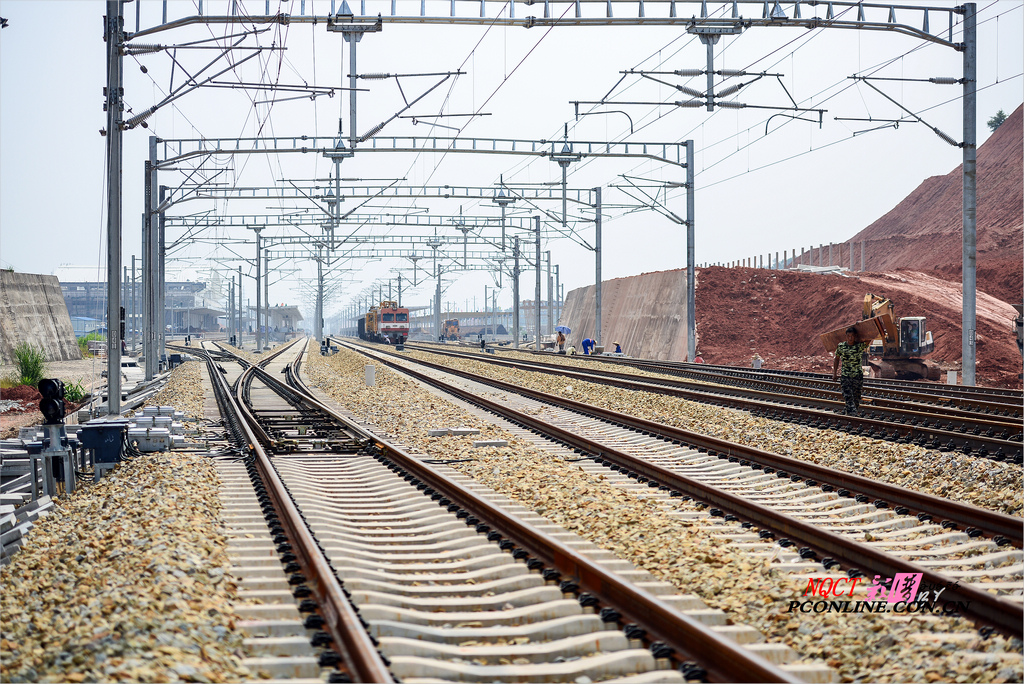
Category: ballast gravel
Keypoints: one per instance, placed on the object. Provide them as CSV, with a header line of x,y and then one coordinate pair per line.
x,y
127,580
184,391
861,647
969,479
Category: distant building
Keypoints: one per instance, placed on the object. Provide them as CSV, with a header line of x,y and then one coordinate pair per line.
x,y
184,306
83,325
284,318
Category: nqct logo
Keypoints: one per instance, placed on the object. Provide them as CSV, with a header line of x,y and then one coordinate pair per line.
x,y
828,586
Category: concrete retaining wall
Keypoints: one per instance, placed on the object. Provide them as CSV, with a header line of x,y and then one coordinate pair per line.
x,y
646,314
32,310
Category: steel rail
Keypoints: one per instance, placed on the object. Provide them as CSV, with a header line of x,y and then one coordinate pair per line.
x,y
916,395
967,398
357,652
945,403
990,522
928,390
754,400
818,397
1001,614
722,658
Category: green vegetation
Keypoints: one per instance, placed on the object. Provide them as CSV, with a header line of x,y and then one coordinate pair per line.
x,y
30,362
83,343
997,120
8,381
74,391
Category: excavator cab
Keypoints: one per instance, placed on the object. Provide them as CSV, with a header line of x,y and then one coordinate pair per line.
x,y
914,338
904,342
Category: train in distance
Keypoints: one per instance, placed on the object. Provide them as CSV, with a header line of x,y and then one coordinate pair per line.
x,y
387,323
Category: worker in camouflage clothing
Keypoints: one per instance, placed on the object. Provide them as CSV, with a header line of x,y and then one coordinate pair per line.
x,y
848,356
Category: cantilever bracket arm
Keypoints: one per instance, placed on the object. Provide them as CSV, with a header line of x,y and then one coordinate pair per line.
x,y
935,130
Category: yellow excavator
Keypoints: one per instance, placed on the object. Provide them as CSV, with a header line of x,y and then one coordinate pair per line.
x,y
902,344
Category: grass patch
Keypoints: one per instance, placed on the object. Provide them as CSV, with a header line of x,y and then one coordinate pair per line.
x,y
31,363
74,391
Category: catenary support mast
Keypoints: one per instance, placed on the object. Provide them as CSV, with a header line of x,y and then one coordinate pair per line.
x,y
691,280
113,35
970,206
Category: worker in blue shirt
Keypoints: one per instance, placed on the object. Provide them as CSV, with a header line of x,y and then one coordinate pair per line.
x,y
588,346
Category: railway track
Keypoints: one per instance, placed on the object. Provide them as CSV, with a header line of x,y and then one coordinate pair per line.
x,y
945,428
417,575
987,400
816,514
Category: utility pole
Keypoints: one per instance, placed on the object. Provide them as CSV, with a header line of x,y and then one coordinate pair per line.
x,y
240,320
113,37
503,200
437,301
231,307
536,317
691,280
149,261
970,206
318,326
515,293
558,296
266,294
257,230
135,323
597,257
161,285
399,290
551,320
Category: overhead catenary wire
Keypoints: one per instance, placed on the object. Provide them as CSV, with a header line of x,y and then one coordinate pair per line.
x,y
268,122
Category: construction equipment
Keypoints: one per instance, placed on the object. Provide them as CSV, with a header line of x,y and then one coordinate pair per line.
x,y
902,344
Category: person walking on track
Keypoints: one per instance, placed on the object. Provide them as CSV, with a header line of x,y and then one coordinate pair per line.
x,y
851,377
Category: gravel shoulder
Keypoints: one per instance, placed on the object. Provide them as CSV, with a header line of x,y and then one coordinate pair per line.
x,y
862,647
968,479
129,578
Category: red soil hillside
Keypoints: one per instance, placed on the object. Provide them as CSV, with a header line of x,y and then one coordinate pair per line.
x,y
779,314
923,232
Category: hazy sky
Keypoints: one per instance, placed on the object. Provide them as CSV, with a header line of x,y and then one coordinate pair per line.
x,y
764,182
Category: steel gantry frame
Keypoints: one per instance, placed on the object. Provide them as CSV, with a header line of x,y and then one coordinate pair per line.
x,y
563,13
665,13
562,152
